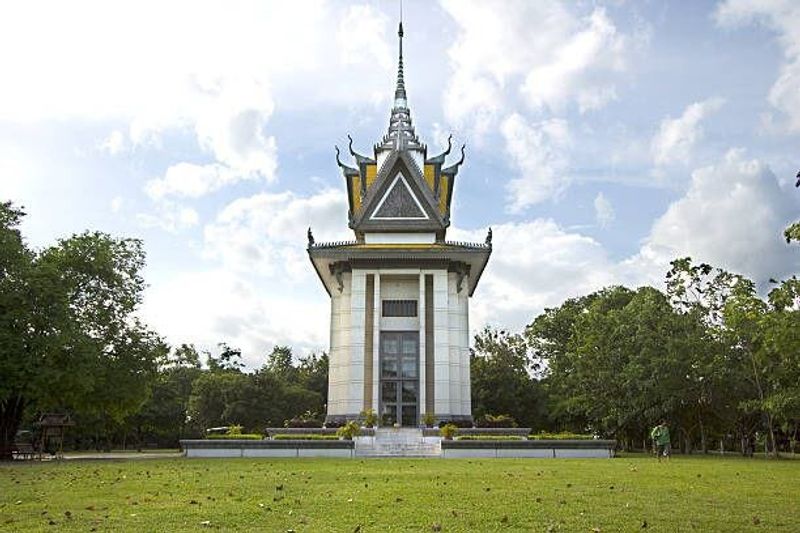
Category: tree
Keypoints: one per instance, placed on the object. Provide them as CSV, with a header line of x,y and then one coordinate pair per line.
x,y
502,378
68,338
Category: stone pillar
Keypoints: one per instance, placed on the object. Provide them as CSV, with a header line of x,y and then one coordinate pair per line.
x,y
441,351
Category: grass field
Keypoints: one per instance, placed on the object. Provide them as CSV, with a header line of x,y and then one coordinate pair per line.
x,y
623,494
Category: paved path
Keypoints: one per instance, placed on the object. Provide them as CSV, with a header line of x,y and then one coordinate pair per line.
x,y
121,456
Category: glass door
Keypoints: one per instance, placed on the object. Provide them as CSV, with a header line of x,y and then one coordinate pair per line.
x,y
399,364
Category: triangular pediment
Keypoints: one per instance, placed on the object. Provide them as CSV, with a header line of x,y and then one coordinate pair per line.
x,y
399,199
399,203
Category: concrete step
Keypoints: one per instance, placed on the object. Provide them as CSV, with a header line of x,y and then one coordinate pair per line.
x,y
398,442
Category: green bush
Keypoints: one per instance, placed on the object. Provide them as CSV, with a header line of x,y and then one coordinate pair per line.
x,y
448,431
241,436
498,421
489,437
428,419
349,430
560,436
370,418
304,436
309,419
235,429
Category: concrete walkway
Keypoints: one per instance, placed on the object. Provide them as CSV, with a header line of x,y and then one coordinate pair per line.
x,y
120,456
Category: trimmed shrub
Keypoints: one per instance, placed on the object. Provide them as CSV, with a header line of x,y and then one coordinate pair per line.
x,y
560,436
489,437
496,421
370,418
457,423
448,431
349,430
305,436
240,436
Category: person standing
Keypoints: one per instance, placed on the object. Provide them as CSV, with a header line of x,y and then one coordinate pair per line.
x,y
661,440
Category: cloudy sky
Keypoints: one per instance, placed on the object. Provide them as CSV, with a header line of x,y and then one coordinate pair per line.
x,y
604,139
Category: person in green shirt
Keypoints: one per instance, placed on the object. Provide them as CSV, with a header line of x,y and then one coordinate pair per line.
x,y
661,440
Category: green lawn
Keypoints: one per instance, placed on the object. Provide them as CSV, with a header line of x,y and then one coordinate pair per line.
x,y
623,494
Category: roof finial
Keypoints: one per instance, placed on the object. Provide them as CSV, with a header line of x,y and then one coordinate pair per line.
x,y
400,92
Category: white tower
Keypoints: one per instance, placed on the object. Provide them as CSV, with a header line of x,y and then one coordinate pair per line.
x,y
399,292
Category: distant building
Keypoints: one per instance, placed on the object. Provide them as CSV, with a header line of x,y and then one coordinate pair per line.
x,y
400,291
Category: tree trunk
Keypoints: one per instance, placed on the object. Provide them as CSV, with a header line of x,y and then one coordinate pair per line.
x,y
11,410
703,442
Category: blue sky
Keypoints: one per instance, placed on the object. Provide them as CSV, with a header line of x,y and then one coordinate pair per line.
x,y
604,139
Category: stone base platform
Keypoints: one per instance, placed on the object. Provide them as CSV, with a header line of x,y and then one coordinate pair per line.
x,y
403,442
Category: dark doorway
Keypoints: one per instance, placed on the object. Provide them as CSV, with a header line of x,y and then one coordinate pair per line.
x,y
399,364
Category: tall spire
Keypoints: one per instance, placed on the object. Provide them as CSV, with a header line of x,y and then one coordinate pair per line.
x,y
400,99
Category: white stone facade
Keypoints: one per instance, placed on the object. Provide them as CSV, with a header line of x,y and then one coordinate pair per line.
x,y
347,395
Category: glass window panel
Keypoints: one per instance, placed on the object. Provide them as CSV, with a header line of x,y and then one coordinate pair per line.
x,y
391,345
409,367
409,346
389,392
389,367
410,393
409,415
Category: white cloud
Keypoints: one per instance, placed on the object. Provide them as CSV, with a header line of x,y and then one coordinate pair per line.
x,y
534,265
566,73
603,210
544,51
190,180
114,144
266,233
116,204
538,151
211,306
732,216
170,217
781,16
361,37
677,137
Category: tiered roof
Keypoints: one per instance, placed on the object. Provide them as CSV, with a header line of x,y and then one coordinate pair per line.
x,y
399,190
422,203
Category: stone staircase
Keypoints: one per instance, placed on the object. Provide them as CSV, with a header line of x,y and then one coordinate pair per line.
x,y
398,442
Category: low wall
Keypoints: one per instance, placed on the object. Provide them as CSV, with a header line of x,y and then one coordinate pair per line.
x,y
267,448
529,448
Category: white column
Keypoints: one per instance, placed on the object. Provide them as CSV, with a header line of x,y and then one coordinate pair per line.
x,y
376,347
441,349
466,391
421,372
453,334
339,351
355,385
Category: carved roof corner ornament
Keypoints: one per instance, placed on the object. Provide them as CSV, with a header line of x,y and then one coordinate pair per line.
x,y
310,238
453,169
348,171
440,158
358,157
489,238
